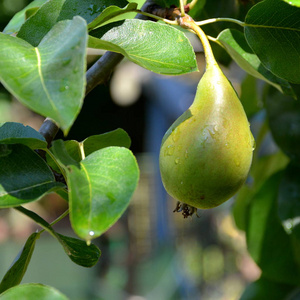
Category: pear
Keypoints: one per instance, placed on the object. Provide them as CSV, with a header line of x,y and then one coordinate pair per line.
x,y
206,154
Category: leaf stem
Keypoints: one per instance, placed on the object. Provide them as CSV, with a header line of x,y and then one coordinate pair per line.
x,y
182,8
188,23
81,147
214,20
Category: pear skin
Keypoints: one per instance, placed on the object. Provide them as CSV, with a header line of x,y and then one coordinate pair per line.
x,y
206,154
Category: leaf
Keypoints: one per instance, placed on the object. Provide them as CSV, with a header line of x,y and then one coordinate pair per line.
x,y
17,270
53,11
266,289
49,79
289,198
268,243
237,47
17,133
32,291
77,250
88,10
293,2
157,47
249,96
80,253
283,114
37,27
24,176
273,32
100,190
118,137
19,18
69,153
110,13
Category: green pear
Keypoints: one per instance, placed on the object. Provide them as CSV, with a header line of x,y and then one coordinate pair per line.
x,y
206,154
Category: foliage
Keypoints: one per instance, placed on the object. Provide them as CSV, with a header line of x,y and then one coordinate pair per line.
x,y
43,64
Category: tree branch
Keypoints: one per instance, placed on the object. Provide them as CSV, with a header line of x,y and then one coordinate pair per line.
x,y
98,73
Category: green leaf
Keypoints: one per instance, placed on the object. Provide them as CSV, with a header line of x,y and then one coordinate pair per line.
x,y
77,250
266,289
249,96
110,13
88,10
293,2
261,170
24,176
157,47
49,79
17,133
101,190
69,153
36,27
273,32
268,243
289,198
237,47
117,137
32,291
19,18
17,270
53,11
283,114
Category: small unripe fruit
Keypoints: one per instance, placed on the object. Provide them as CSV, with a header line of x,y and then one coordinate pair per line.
x,y
206,154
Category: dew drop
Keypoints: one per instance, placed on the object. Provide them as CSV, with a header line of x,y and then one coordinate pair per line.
x,y
177,160
169,151
91,233
176,134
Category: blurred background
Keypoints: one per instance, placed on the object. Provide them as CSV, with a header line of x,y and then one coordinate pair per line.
x,y
151,252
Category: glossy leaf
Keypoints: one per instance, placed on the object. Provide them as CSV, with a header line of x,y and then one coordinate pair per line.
x,y
237,47
19,18
100,190
49,79
110,13
24,176
77,250
117,137
18,268
17,133
157,47
32,291
268,243
88,10
293,2
289,198
81,253
273,32
266,289
53,11
69,152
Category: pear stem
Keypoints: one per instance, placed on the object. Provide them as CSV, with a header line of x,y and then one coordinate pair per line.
x,y
188,23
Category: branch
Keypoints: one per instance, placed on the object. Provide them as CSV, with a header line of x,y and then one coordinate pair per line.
x,y
98,73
